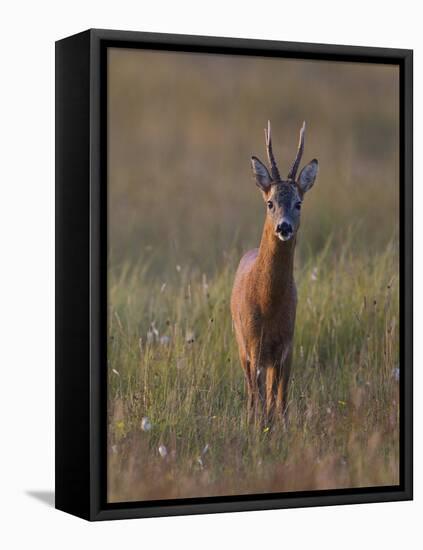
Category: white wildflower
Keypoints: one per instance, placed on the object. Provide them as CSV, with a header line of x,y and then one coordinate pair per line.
x,y
162,451
152,334
205,449
145,424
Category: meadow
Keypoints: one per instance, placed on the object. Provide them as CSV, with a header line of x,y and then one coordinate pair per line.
x,y
183,208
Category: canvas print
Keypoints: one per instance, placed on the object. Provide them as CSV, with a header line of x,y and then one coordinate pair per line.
x,y
253,275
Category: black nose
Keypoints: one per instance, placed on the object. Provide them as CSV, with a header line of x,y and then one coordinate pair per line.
x,y
284,229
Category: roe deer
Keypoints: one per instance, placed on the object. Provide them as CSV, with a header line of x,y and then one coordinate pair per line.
x,y
264,296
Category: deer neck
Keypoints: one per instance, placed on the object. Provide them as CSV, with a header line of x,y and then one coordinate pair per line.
x,y
274,268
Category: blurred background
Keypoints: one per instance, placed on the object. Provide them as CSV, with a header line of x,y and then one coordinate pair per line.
x,y
182,128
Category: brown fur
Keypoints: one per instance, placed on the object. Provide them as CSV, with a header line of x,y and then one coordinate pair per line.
x,y
264,296
263,304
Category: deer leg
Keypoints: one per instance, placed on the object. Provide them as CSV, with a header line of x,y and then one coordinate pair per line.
x,y
281,388
250,391
261,395
282,391
246,366
256,385
271,393
282,402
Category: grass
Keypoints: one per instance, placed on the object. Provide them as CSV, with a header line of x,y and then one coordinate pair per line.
x,y
173,360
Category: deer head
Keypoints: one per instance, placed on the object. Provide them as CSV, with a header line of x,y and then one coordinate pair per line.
x,y
284,197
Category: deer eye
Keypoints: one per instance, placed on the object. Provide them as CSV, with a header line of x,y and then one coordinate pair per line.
x,y
269,205
298,205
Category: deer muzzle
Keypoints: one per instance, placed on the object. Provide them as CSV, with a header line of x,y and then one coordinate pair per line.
x,y
284,230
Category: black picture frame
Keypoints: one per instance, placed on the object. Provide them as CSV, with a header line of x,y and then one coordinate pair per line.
x,y
81,273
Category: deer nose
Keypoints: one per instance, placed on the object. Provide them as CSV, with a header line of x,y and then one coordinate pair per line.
x,y
284,228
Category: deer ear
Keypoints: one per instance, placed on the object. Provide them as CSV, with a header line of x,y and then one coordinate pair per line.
x,y
308,175
263,179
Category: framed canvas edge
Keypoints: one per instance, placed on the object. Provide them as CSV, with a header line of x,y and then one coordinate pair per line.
x,y
72,258
98,510
248,46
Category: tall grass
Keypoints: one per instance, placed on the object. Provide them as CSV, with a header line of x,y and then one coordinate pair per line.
x,y
173,365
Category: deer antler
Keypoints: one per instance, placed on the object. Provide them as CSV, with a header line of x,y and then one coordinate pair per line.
x,y
273,165
296,163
